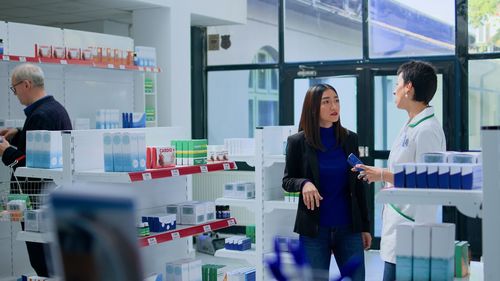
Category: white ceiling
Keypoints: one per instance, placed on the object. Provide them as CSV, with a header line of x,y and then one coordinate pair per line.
x,y
61,12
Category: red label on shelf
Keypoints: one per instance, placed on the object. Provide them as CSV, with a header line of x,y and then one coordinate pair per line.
x,y
6,58
204,169
64,62
226,166
146,176
231,222
207,228
22,59
122,66
110,65
175,173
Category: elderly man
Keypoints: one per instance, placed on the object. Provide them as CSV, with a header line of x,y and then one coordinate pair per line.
x,y
42,112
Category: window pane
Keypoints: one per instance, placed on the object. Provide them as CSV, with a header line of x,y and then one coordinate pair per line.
x,y
484,98
262,20
411,28
318,30
388,118
484,26
347,91
234,110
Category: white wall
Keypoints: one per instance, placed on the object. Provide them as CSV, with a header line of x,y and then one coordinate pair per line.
x,y
101,26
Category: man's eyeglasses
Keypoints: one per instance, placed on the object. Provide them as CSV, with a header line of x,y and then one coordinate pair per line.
x,y
13,87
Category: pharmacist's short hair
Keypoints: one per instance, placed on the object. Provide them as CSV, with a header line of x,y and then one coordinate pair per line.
x,y
31,72
423,77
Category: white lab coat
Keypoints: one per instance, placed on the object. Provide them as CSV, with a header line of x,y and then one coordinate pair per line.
x,y
420,135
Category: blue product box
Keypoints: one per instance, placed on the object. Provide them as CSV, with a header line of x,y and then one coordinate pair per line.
x,y
399,175
455,176
442,269
444,176
472,176
410,175
432,175
108,152
421,175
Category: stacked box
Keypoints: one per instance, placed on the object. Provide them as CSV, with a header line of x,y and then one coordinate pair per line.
x,y
404,252
238,243
462,262
250,232
184,270
421,252
160,222
212,272
193,212
143,229
399,175
442,252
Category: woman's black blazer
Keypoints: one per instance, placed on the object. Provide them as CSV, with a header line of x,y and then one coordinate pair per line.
x,y
302,165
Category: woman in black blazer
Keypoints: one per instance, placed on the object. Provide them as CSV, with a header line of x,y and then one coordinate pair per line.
x,y
332,215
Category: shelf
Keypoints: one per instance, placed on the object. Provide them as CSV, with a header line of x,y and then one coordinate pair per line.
x,y
272,205
53,174
269,160
39,237
185,231
250,204
249,255
78,62
468,202
124,177
249,159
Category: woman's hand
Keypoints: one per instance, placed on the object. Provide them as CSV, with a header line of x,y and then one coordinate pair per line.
x,y
4,144
9,133
367,240
369,173
311,196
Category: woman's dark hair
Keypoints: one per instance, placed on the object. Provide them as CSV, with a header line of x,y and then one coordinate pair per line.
x,y
309,120
422,76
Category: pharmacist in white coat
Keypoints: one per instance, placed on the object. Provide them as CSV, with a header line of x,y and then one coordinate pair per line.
x,y
416,86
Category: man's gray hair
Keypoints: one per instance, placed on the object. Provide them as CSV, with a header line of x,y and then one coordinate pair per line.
x,y
31,72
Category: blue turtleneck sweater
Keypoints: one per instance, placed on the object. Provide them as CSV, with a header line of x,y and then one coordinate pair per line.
x,y
333,171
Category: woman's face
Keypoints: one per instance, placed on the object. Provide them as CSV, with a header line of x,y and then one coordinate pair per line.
x,y
401,93
329,109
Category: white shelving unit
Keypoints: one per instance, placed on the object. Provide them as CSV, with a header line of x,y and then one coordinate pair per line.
x,y
469,202
152,189
273,216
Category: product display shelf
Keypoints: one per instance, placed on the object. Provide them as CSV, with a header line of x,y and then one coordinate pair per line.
x,y
272,205
250,204
185,231
249,159
248,255
273,158
53,174
124,177
38,237
15,58
469,202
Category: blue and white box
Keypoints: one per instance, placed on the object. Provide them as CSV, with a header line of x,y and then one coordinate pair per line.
x,y
410,175
399,175
472,176
160,222
130,152
442,252
51,150
141,150
108,152
404,251
421,252
432,175
455,175
100,118
175,209
30,149
435,157
117,152
38,150
444,176
209,210
421,175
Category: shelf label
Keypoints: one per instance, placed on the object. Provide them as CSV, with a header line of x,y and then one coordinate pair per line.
x,y
64,62
110,65
175,173
226,166
146,176
22,59
148,69
152,241
175,235
231,222
140,68
207,228
6,58
122,66
204,169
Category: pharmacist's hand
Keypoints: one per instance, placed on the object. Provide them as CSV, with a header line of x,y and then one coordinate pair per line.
x,y
310,195
369,173
8,133
3,146
367,240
